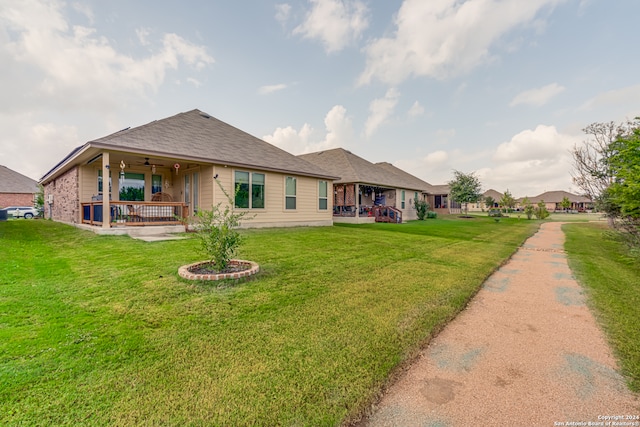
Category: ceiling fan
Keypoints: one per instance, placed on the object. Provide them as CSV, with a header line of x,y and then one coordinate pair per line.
x,y
147,163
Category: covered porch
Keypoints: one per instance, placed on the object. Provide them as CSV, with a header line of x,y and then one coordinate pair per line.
x,y
362,203
143,192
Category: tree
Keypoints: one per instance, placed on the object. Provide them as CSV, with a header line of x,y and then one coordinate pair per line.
x,y
489,202
592,171
624,192
465,188
507,201
565,203
217,230
541,211
421,209
528,208
625,166
607,168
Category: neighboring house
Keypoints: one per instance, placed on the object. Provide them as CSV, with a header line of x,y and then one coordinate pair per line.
x,y
553,201
440,200
166,170
16,189
480,206
367,192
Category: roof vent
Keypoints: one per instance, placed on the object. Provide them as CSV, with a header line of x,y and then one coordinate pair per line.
x,y
205,115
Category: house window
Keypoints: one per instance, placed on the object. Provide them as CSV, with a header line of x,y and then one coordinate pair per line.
x,y
100,181
415,198
156,184
402,204
132,187
322,195
241,189
245,181
196,191
290,192
257,190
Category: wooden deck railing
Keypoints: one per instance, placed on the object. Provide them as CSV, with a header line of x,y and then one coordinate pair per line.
x,y
387,214
136,213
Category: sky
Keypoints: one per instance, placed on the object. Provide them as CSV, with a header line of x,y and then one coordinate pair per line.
x,y
499,88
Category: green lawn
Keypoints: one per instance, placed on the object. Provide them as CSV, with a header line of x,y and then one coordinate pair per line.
x,y
100,330
612,279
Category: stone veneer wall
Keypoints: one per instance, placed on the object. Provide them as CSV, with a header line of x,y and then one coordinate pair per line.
x,y
66,197
16,199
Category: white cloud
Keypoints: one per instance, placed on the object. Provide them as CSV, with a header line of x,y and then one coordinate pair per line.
x,y
443,136
283,11
143,36
443,38
380,110
335,23
532,162
76,66
538,96
339,129
85,10
194,82
265,90
339,133
437,158
626,95
542,143
291,140
416,110
47,144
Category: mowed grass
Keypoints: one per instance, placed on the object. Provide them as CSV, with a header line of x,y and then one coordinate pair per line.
x,y
100,330
611,276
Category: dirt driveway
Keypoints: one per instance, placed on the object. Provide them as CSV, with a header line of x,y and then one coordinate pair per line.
x,y
526,352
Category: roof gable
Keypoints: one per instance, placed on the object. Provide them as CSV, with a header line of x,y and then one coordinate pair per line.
x,y
557,197
352,168
196,135
14,182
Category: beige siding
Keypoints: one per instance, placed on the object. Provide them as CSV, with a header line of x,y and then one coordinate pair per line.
x,y
206,187
274,213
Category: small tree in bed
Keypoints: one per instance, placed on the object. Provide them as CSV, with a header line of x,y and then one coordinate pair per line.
x,y
217,231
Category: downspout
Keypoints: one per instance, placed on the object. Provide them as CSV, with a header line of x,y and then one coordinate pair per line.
x,y
357,189
106,193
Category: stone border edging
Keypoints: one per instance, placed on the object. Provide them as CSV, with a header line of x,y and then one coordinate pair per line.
x,y
186,274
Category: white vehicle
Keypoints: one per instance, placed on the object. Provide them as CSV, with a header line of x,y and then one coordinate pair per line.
x,y
26,212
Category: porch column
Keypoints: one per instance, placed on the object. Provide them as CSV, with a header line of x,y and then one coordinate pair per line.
x,y
357,200
106,208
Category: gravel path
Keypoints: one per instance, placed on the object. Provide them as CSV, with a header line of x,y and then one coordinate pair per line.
x,y
526,352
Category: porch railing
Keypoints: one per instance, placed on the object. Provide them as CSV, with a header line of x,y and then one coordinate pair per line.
x,y
136,213
387,214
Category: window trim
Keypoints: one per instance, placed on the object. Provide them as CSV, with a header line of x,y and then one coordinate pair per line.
x,y
293,196
250,190
325,197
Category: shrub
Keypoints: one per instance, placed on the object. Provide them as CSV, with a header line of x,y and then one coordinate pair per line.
x,y
528,208
495,213
432,215
541,211
421,209
217,231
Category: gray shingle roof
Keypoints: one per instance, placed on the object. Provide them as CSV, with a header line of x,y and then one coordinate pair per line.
x,y
493,193
196,135
413,181
354,169
556,197
14,182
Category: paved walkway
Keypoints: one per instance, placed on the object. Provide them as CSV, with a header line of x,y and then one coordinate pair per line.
x,y
526,352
